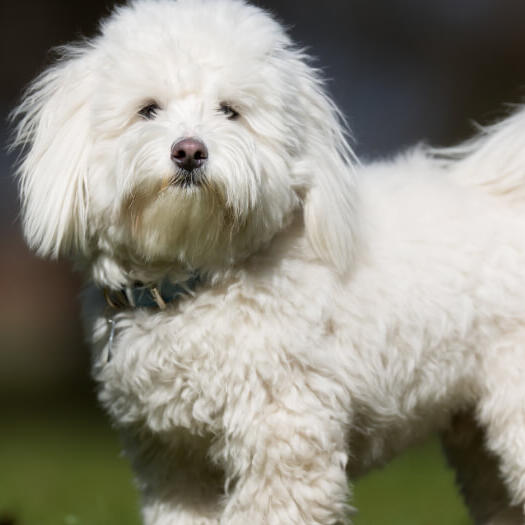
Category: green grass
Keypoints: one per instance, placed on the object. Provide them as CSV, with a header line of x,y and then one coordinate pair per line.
x,y
415,489
63,469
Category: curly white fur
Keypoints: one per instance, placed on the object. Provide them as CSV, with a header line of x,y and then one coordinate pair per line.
x,y
344,313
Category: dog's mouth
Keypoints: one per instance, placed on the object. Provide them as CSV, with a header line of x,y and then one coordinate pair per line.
x,y
189,179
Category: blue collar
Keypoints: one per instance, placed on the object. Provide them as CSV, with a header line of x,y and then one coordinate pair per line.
x,y
156,296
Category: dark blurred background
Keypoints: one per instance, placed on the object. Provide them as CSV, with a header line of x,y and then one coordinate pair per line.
x,y
403,71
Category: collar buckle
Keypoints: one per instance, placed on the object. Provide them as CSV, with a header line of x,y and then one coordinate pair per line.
x,y
158,296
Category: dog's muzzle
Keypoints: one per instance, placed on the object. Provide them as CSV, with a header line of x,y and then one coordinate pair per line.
x,y
189,156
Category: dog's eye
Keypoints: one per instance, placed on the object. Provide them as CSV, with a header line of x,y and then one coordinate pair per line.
x,y
230,113
150,111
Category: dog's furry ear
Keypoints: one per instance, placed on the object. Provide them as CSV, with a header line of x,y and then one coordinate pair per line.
x,y
326,171
54,139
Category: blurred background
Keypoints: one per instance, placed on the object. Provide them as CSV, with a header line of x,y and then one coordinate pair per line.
x,y
403,71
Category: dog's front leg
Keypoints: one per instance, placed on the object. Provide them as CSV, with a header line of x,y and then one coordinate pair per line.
x,y
287,466
178,483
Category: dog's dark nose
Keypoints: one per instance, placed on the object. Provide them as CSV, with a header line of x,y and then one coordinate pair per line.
x,y
189,154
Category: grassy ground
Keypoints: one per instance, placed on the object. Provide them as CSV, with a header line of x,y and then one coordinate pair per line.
x,y
64,469
415,489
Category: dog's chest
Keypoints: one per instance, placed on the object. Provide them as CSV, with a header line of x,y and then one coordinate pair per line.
x,y
200,368
157,376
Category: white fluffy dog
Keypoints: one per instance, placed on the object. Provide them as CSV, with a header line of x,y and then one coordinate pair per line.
x,y
280,319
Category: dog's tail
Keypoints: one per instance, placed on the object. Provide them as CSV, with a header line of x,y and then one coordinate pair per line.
x,y
494,159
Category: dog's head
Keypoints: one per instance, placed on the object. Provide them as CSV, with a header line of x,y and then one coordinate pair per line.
x,y
188,131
